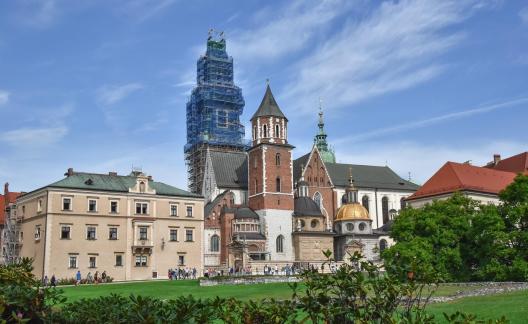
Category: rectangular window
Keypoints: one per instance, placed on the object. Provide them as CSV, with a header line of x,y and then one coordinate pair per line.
x,y
23,210
142,208
119,260
39,206
92,262
113,207
112,233
174,235
66,204
181,260
189,211
141,260
65,232
37,232
188,235
174,210
92,205
143,233
90,233
73,262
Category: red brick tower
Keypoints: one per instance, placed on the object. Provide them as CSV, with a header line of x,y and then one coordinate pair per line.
x,y
270,179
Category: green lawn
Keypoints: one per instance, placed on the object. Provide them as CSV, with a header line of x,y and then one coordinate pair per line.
x,y
513,305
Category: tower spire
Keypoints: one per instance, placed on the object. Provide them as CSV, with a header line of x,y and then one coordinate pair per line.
x,y
327,154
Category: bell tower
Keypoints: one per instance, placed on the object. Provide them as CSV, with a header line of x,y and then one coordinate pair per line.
x,y
270,175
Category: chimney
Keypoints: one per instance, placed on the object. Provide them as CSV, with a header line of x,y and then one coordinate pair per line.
x,y
496,159
150,177
112,174
69,173
6,188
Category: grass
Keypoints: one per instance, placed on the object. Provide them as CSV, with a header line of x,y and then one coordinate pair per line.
x,y
513,305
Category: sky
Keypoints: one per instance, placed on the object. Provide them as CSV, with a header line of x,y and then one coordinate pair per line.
x,y
101,86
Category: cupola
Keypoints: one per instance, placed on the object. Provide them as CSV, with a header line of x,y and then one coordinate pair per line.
x,y
269,125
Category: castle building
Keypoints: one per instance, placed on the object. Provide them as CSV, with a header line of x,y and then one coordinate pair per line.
x,y
263,206
213,111
132,227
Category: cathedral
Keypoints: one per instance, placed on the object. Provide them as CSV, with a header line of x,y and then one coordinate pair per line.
x,y
264,207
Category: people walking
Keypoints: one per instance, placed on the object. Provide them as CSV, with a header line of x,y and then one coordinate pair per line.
x,y
53,281
103,276
45,281
96,277
78,278
89,278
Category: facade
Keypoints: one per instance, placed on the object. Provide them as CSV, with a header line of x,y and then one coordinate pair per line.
x,y
479,183
290,205
213,111
9,227
131,226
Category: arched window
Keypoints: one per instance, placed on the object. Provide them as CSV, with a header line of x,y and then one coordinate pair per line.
x,y
280,244
365,202
277,159
255,132
402,203
314,223
215,243
350,227
141,186
265,130
277,130
382,245
278,184
362,226
343,199
317,198
385,209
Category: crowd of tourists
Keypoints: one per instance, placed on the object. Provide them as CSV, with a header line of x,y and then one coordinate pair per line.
x,y
182,273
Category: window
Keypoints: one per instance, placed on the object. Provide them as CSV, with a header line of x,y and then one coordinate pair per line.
x,y
302,223
72,262
277,130
39,206
90,233
314,223
189,211
66,204
142,208
279,244
92,263
173,235
402,203
254,132
37,232
222,118
215,243
382,245
143,233
277,159
350,227
119,260
65,232
188,235
112,235
23,210
92,205
385,209
278,184
181,260
317,198
365,202
255,162
265,130
142,187
141,260
256,186
173,210
113,207
362,226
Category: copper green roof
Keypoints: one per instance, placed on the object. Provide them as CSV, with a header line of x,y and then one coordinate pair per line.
x,y
114,183
268,106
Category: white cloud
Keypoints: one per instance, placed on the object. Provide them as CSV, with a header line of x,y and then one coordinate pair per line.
x,y
284,30
4,97
423,159
524,15
433,120
34,136
145,9
396,46
109,95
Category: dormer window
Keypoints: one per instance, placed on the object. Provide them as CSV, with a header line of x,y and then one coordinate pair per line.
x,y
88,182
142,187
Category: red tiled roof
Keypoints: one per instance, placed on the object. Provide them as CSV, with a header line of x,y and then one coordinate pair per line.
x,y
11,197
454,176
517,163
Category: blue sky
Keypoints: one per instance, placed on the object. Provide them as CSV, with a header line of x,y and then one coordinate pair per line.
x,y
101,85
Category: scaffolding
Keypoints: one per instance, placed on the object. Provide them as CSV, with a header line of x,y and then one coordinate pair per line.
x,y
213,110
11,241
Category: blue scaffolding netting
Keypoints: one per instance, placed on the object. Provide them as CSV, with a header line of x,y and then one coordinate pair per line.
x,y
213,110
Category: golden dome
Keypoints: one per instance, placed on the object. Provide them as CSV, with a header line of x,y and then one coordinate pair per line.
x,y
354,211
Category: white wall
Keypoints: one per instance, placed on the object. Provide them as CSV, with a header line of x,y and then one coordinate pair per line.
x,y
277,222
